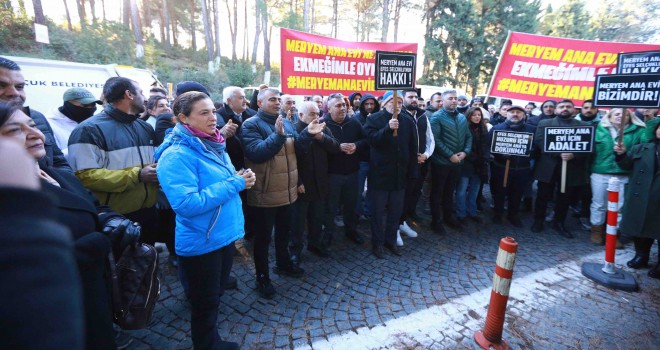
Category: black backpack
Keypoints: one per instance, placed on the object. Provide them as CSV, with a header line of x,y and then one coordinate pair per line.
x,y
135,286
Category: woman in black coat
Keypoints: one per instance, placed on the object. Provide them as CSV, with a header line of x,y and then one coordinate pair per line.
x,y
639,215
95,229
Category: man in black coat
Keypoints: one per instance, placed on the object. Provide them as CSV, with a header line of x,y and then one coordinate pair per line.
x,y
392,166
12,91
425,148
520,172
368,106
547,171
343,167
310,207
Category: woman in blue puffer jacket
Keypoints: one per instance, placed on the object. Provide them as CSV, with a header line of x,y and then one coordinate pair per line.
x,y
202,186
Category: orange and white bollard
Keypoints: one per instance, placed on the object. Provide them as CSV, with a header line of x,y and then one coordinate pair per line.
x,y
491,335
608,275
611,227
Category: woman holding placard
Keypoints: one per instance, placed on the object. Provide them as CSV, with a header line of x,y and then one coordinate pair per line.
x,y
604,166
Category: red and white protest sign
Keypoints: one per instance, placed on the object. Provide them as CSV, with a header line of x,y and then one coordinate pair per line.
x,y
538,67
317,64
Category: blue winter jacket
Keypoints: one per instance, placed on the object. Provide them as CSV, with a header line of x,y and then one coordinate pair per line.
x,y
203,191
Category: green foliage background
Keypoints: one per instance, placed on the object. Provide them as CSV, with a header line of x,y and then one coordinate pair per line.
x,y
107,42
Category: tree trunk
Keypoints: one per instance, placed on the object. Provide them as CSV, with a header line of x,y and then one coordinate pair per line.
x,y
21,8
335,5
92,6
255,46
38,12
386,20
126,18
167,25
313,23
245,32
235,33
81,13
397,16
175,26
233,26
208,37
103,8
146,15
193,36
216,16
137,30
68,16
306,24
264,28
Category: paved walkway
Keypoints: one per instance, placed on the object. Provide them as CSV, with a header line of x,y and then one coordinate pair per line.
x,y
433,297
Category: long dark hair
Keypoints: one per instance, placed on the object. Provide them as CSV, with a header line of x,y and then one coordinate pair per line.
x,y
151,104
6,111
471,111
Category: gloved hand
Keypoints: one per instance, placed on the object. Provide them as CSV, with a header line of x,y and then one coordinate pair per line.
x,y
122,233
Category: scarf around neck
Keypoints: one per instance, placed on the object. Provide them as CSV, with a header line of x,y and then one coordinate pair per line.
x,y
216,137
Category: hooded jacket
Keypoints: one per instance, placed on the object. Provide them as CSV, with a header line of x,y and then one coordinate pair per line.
x,y
272,157
361,116
107,152
203,191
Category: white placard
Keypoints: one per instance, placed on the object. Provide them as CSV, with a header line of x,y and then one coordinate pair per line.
x,y
41,33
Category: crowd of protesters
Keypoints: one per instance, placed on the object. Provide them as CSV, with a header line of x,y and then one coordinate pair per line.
x,y
199,176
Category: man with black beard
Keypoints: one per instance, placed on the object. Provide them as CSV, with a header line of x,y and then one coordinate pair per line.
x,y
548,171
79,104
425,147
589,113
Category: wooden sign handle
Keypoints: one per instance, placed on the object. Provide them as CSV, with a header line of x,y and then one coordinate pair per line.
x,y
396,110
506,172
564,165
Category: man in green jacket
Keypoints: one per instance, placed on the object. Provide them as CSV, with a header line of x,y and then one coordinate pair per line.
x,y
453,142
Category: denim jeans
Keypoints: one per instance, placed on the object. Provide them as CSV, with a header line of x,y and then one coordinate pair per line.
x,y
467,191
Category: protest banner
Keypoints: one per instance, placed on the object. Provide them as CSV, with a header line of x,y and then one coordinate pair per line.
x,y
647,62
313,64
395,70
631,91
568,139
512,143
538,68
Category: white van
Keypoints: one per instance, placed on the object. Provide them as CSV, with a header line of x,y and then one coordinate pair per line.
x,y
47,80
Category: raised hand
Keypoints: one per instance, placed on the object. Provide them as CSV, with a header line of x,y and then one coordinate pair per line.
x,y
315,127
394,124
279,126
229,129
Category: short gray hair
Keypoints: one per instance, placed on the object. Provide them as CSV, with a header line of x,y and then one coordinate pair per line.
x,y
230,91
448,92
332,97
307,106
264,92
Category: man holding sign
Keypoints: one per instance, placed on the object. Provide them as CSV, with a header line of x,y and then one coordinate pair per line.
x,y
563,152
511,143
